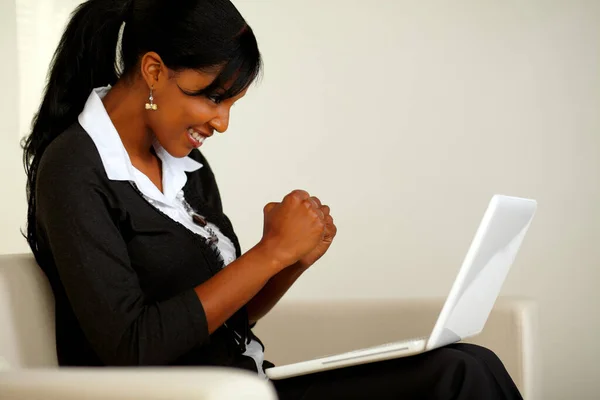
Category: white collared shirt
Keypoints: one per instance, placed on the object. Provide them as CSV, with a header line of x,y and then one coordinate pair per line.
x,y
96,122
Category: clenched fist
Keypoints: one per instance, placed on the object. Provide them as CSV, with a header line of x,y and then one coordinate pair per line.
x,y
294,227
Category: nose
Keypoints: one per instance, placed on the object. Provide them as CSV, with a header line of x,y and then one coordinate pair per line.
x,y
220,122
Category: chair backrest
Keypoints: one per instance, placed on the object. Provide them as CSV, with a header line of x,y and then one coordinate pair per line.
x,y
322,327
27,336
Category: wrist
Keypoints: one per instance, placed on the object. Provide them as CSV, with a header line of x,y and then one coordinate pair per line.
x,y
271,256
301,265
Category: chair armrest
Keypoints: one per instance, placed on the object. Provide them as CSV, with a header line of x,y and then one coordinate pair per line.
x,y
204,383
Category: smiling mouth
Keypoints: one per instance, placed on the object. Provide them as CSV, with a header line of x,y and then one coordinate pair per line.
x,y
195,137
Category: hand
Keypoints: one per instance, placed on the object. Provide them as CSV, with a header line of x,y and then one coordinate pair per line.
x,y
293,228
321,248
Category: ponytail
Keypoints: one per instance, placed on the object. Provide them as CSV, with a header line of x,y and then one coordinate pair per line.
x,y
85,59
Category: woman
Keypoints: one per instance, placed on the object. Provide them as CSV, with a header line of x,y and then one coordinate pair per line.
x,y
125,216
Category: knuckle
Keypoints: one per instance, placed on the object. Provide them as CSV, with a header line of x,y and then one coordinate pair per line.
x,y
313,213
302,194
289,197
308,204
296,196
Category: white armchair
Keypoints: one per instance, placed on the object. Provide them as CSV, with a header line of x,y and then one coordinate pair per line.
x,y
28,365
318,328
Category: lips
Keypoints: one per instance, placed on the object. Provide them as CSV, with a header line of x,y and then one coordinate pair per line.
x,y
195,137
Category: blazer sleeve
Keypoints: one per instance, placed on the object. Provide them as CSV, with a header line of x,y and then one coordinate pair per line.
x,y
78,223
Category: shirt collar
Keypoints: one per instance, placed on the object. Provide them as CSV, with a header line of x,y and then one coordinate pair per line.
x,y
96,122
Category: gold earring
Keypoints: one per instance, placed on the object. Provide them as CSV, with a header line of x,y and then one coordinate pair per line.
x,y
151,105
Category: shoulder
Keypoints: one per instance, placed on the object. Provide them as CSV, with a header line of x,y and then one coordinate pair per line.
x,y
71,164
73,152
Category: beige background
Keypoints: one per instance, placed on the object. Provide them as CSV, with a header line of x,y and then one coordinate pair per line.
x,y
405,117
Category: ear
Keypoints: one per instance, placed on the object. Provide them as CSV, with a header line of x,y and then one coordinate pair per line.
x,y
153,70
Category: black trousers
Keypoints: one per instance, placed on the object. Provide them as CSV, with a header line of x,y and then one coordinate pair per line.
x,y
459,371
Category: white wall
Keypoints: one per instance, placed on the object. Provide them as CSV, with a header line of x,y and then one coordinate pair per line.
x,y
406,117
12,188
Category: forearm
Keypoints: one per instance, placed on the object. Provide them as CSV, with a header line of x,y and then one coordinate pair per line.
x,y
273,291
234,286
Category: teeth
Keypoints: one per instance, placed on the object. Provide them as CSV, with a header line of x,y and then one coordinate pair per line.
x,y
196,135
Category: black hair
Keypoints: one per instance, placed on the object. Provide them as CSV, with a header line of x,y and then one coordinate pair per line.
x,y
186,34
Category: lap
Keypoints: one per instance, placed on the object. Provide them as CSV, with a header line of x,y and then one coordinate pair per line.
x,y
437,374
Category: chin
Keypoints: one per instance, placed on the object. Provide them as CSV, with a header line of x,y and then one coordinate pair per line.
x,y
178,151
182,152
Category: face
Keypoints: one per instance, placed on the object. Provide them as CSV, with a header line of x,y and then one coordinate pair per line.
x,y
185,119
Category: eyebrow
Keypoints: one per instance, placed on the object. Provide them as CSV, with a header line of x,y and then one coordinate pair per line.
x,y
202,91
196,92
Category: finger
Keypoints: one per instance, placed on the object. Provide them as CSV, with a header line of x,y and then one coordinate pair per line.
x,y
320,214
326,210
311,205
298,194
269,207
330,231
316,201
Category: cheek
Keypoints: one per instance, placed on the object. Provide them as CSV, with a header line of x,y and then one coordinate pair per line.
x,y
166,121
176,116
171,117
184,114
199,112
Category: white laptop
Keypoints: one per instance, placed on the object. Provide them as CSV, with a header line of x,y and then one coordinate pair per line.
x,y
471,298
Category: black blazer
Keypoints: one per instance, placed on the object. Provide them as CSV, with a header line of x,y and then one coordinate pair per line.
x,y
123,274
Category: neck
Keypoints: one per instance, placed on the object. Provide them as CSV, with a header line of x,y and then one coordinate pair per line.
x,y
125,107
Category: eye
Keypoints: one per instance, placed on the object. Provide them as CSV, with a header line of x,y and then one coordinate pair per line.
x,y
215,98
